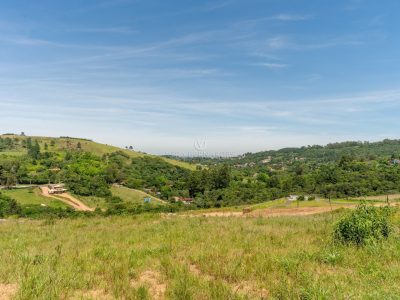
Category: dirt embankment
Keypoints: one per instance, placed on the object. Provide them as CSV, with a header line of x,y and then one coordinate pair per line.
x,y
67,199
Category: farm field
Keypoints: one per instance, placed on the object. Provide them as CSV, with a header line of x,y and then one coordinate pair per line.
x,y
153,257
33,197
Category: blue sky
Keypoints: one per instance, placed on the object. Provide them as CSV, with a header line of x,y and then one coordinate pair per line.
x,y
223,76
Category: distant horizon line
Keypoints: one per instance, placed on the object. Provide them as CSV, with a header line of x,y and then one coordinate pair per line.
x,y
201,154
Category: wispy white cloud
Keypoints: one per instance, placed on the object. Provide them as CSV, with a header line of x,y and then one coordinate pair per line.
x,y
270,65
278,42
290,17
312,43
25,41
105,30
283,17
215,5
206,7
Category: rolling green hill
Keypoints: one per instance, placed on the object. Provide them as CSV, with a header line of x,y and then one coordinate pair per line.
x,y
13,145
315,154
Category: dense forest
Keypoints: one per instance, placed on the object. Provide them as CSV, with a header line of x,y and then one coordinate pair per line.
x,y
337,170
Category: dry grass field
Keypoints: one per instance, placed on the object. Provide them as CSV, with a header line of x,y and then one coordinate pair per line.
x,y
173,257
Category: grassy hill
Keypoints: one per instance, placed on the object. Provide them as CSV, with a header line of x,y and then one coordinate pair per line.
x,y
66,143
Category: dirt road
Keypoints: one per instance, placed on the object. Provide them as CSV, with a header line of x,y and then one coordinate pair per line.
x,y
302,211
270,212
66,198
279,212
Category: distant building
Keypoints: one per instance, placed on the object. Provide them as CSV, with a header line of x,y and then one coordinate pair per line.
x,y
297,197
267,160
184,200
56,188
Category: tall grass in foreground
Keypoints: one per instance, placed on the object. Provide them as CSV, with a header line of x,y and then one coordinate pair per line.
x,y
149,256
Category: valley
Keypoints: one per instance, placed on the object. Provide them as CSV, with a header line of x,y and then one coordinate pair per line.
x,y
126,225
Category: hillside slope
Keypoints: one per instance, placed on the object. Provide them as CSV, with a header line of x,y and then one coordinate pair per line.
x,y
14,147
315,154
133,195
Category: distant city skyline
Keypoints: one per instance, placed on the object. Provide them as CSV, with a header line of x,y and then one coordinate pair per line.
x,y
180,77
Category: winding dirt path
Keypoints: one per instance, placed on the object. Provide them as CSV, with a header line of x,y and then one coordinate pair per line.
x,y
67,199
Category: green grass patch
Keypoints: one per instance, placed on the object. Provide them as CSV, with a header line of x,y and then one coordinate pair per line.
x,y
92,201
32,196
133,196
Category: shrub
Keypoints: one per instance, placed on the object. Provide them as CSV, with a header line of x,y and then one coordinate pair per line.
x,y
8,206
364,225
45,212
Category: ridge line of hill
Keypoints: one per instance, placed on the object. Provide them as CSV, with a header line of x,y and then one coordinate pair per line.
x,y
55,144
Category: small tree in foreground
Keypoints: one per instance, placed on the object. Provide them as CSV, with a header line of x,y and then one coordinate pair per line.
x,y
366,224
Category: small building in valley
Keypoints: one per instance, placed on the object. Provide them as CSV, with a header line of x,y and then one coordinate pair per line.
x,y
56,188
184,200
293,198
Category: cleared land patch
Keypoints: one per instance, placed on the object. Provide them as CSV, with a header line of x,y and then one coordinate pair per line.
x,y
7,291
151,280
133,196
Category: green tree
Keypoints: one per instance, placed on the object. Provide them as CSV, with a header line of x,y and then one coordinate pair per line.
x,y
34,150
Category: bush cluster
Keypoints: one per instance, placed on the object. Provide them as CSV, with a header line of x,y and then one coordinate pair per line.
x,y
8,206
366,224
